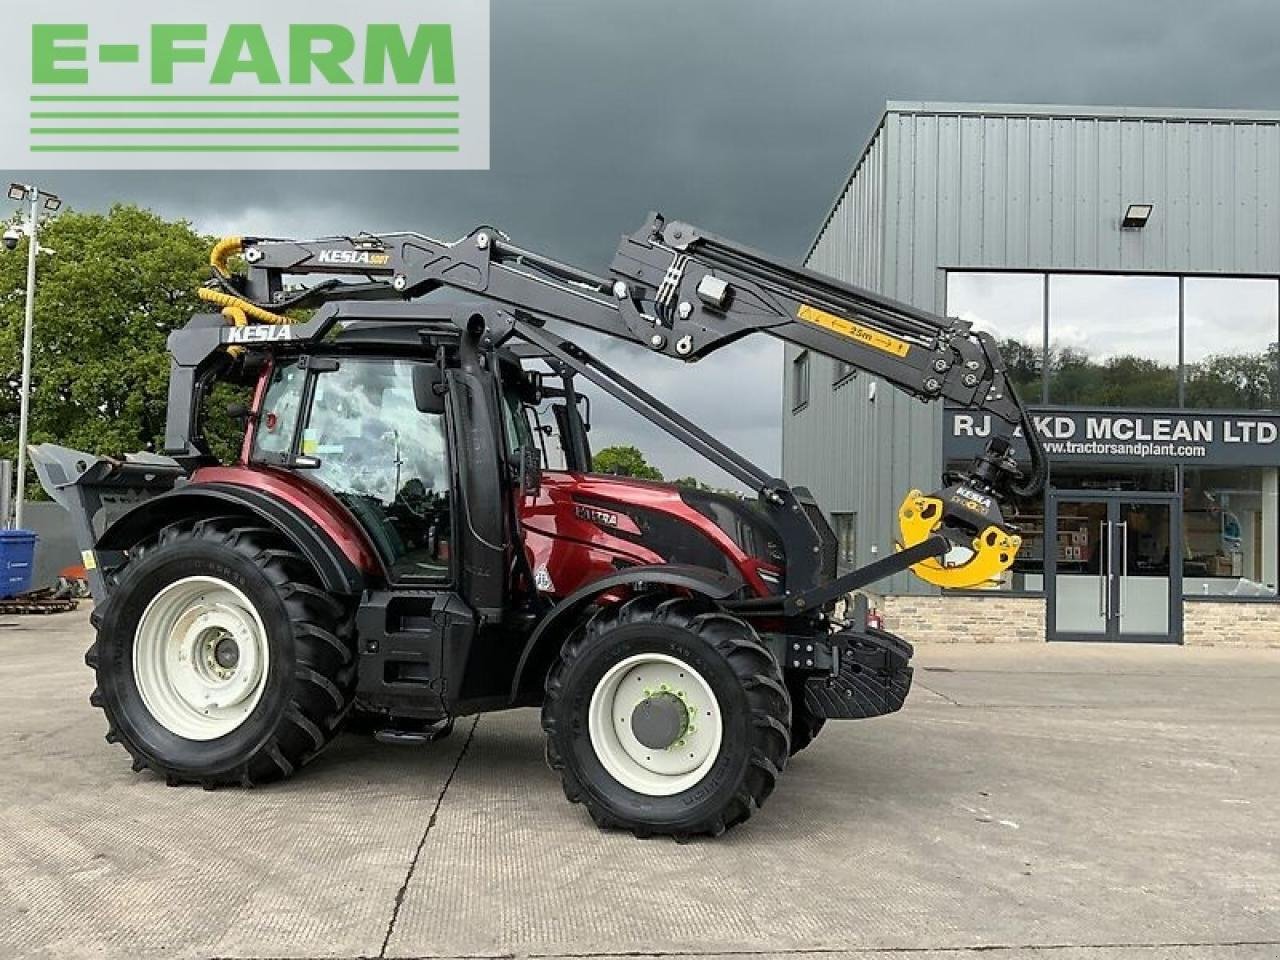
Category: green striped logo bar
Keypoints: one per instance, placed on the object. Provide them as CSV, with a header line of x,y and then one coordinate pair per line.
x,y
289,85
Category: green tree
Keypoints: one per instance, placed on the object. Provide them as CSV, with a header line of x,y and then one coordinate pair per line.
x,y
625,461
109,290
1022,361
1115,382
1242,381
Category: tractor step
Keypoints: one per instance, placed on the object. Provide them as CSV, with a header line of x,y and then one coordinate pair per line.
x,y
415,738
872,679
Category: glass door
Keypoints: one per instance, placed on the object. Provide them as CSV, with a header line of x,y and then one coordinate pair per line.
x,y
1078,553
1112,567
1141,551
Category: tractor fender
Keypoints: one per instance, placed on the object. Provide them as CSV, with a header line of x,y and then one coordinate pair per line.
x,y
337,573
713,584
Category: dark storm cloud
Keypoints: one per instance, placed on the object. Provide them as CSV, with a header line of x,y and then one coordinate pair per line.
x,y
743,116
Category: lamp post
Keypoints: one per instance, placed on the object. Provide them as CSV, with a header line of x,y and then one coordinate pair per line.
x,y
21,192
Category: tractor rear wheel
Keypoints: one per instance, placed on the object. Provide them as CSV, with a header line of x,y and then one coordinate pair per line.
x,y
219,658
666,716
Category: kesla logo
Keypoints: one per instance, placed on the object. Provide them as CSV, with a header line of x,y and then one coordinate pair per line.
x,y
355,257
273,333
971,500
971,494
401,84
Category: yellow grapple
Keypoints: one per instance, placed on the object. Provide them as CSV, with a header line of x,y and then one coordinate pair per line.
x,y
993,549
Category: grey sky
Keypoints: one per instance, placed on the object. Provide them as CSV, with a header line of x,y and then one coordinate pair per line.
x,y
742,116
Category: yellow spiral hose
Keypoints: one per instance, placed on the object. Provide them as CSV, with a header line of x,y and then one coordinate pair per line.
x,y
239,310
224,250
236,309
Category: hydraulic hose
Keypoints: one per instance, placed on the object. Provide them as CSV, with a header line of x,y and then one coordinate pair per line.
x,y
224,250
236,309
232,305
1039,465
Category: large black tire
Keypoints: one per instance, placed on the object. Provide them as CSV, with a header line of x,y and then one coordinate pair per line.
x,y
805,724
310,653
746,682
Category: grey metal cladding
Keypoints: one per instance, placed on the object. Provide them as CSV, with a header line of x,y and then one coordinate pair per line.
x,y
1047,187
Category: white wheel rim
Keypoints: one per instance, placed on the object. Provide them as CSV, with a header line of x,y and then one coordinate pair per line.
x,y
654,772
200,658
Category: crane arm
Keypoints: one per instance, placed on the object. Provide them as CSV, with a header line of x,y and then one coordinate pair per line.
x,y
685,293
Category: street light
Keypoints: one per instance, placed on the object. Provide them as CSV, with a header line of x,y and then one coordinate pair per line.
x,y
19,192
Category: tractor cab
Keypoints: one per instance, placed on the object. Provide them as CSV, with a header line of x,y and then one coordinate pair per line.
x,y
365,419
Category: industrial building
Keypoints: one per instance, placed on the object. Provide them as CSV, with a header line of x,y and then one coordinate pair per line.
x,y
1127,260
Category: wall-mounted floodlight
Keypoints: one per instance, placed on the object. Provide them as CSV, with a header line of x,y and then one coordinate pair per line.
x,y
1137,215
51,203
17,192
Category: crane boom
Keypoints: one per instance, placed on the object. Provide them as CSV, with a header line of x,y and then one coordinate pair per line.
x,y
685,293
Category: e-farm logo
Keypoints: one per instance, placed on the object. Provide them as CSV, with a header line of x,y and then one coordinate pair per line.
x,y
321,84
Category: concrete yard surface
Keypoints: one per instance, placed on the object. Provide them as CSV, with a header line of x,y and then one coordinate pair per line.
x,y
1032,801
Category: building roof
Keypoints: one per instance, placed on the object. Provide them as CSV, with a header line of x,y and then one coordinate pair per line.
x,y
1092,112
1043,111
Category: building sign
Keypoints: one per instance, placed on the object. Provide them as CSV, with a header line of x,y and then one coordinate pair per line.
x,y
1122,436
291,84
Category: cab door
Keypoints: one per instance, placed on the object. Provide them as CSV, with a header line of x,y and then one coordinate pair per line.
x,y
351,424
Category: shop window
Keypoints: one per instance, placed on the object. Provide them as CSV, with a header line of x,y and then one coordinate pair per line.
x,y
1229,533
1027,514
800,381
1230,329
1118,477
846,527
1113,340
1010,307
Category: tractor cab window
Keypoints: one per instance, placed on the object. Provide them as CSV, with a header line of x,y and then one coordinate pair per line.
x,y
519,433
273,438
383,458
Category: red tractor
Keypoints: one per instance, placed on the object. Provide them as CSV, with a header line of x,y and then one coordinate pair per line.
x,y
391,544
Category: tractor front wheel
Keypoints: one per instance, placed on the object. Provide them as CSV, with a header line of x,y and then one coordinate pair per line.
x,y
219,658
667,716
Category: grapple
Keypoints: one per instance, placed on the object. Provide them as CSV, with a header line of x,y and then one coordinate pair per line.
x,y
984,545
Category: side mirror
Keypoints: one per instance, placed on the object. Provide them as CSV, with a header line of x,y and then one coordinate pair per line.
x,y
428,388
240,413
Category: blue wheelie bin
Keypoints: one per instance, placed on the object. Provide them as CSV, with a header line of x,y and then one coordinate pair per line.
x,y
17,562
